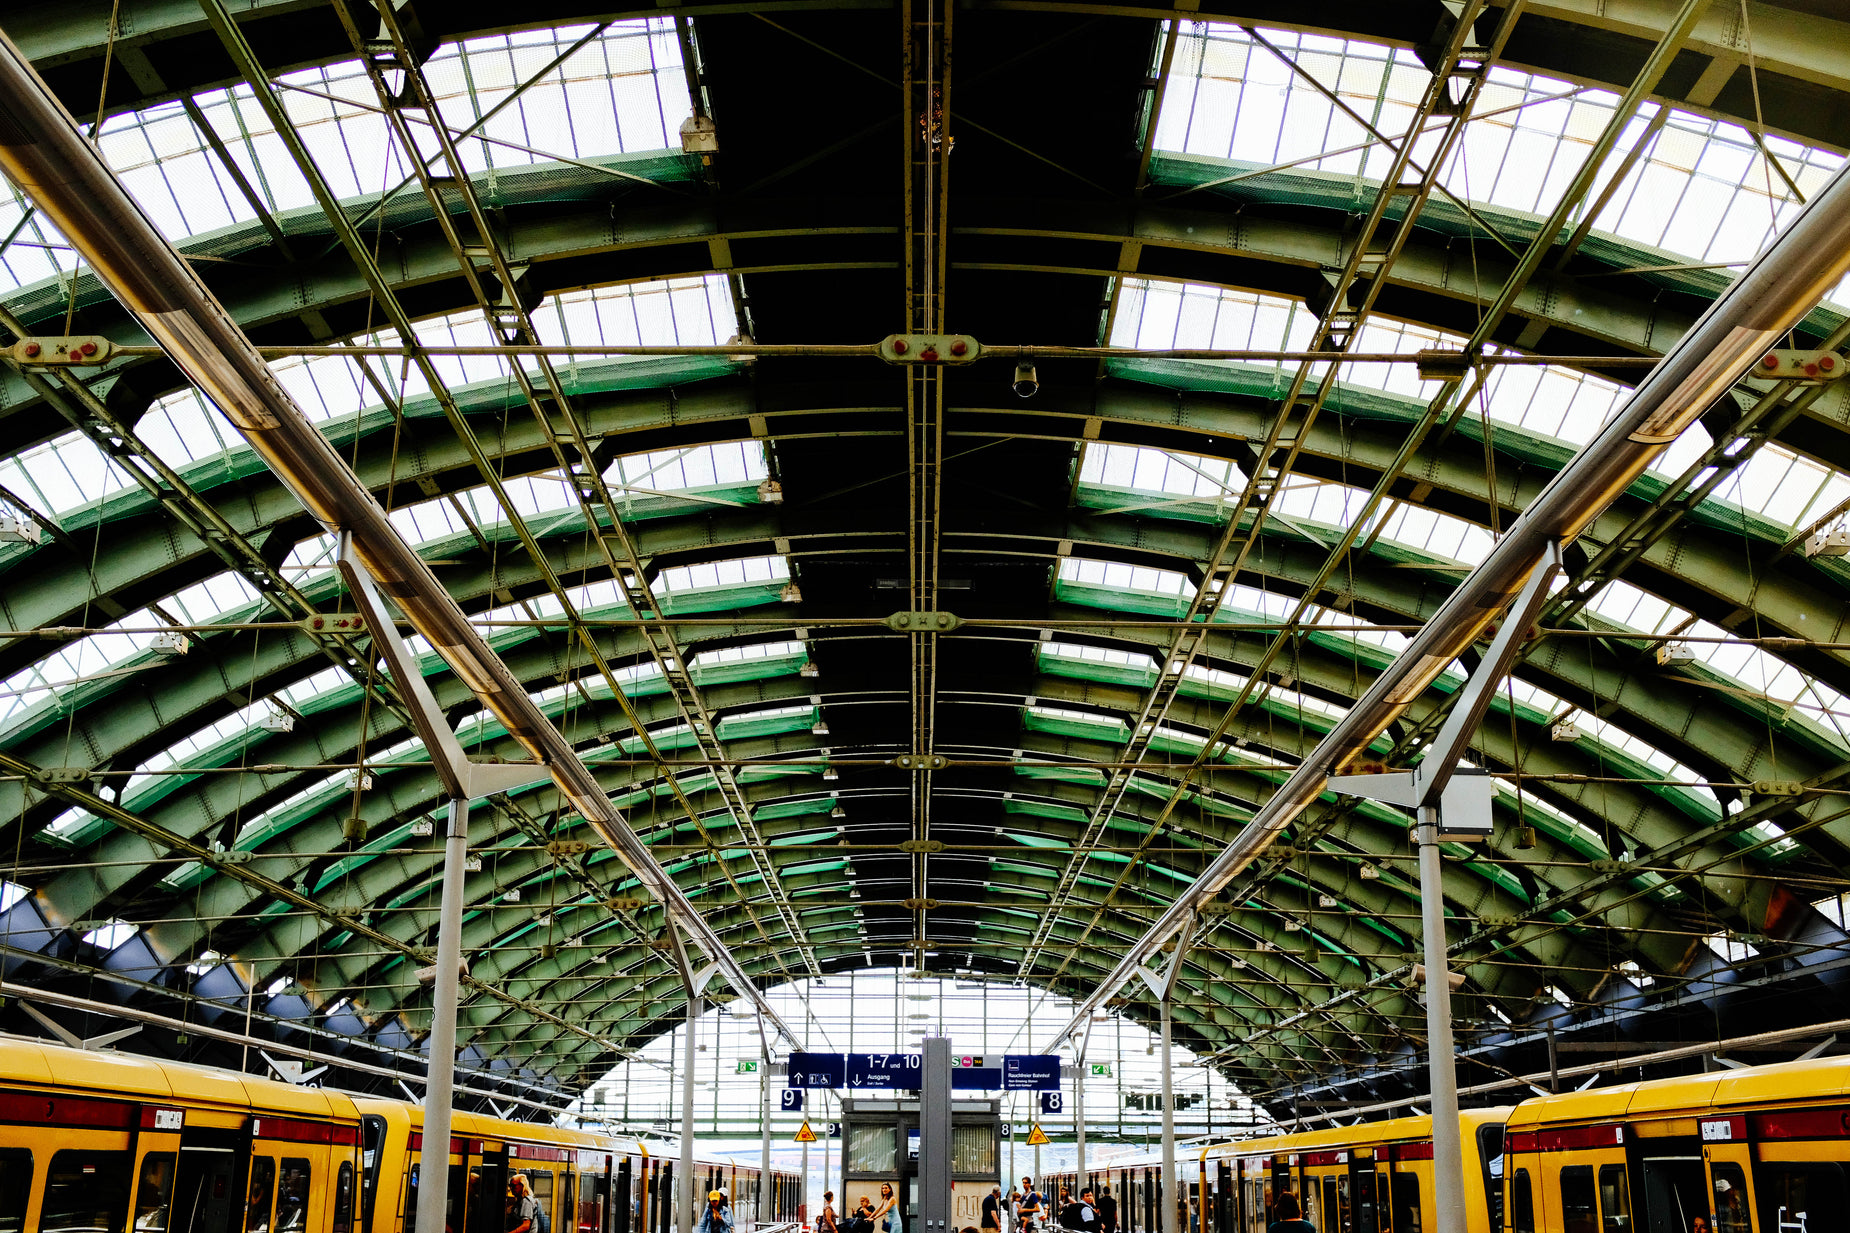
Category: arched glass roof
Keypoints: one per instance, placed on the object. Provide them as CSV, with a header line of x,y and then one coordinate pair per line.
x,y
207,818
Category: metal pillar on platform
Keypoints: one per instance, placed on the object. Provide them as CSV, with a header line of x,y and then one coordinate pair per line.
x,y
1163,985
1455,807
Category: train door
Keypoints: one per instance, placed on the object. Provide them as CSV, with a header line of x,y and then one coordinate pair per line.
x,y
206,1181
1225,1202
619,1192
1362,1204
1730,1166
1675,1185
487,1191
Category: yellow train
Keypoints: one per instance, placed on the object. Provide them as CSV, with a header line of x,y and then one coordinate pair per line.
x,y
109,1143
1757,1150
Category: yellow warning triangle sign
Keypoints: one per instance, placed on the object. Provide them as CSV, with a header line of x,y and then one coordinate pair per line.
x,y
1037,1137
805,1135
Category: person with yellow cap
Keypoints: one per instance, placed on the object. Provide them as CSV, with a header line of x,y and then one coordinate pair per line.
x,y
718,1217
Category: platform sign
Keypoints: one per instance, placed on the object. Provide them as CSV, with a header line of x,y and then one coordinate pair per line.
x,y
895,1072
1029,1072
1023,1072
818,1070
790,1100
1037,1137
805,1135
1053,1102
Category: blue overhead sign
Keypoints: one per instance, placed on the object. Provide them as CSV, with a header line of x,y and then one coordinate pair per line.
x,y
899,1072
1031,1072
818,1070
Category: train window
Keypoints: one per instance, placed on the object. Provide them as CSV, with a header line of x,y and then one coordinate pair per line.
x,y
1335,1208
1615,1201
86,1190
262,1195
342,1219
1730,1186
539,1181
1490,1152
292,1195
15,1188
1577,1211
568,1214
1522,1203
1799,1195
154,1192
1344,1217
1405,1204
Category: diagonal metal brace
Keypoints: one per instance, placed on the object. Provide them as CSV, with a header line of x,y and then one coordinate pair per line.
x,y
462,779
1432,781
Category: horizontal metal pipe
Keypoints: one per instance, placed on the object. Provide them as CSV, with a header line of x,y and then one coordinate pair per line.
x,y
44,153
1809,258
872,351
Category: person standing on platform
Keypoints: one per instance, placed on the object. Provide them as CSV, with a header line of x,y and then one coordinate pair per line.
x,y
825,1223
992,1210
718,1217
1031,1204
1290,1217
1107,1211
523,1214
883,1211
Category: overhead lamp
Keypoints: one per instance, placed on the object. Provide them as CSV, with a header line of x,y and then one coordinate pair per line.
x,y
829,772
771,492
423,828
360,780
1027,382
171,644
790,593
809,669
1369,873
838,812
277,721
1292,926
1326,901
473,864
511,895
819,728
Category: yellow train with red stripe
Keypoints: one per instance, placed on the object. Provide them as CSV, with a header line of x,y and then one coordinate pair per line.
x,y
109,1143
1761,1149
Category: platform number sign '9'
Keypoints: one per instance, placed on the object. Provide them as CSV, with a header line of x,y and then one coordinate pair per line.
x,y
790,1100
1053,1102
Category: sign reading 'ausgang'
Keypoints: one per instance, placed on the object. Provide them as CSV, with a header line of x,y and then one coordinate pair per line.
x,y
1011,1072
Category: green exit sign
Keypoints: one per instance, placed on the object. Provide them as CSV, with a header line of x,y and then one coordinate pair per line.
x,y
747,1067
1101,1070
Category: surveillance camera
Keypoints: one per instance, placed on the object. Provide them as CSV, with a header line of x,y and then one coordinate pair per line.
x,y
1026,383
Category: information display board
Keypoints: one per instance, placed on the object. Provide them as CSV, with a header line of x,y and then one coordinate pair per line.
x,y
899,1072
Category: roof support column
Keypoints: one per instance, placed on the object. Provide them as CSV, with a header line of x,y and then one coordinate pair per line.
x,y
1164,987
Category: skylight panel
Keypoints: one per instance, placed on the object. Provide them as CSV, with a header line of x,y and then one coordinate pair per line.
x,y
703,466
1152,470
1099,654
1118,576
750,651
710,574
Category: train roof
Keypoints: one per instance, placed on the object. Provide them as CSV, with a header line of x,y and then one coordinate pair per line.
x,y
1780,1081
41,1062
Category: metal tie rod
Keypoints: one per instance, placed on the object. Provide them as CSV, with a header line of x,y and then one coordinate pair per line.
x,y
44,153
1783,284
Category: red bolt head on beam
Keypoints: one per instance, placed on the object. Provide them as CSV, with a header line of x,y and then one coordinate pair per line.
x,y
899,346
1769,362
929,355
32,349
960,347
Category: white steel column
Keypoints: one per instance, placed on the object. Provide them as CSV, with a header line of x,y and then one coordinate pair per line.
x,y
439,1091
688,1204
1447,1152
764,1128
1170,1223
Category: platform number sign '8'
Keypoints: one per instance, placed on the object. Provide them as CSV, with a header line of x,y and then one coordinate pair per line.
x,y
790,1100
1053,1102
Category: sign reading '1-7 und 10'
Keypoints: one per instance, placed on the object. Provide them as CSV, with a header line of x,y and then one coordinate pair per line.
x,y
900,1071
